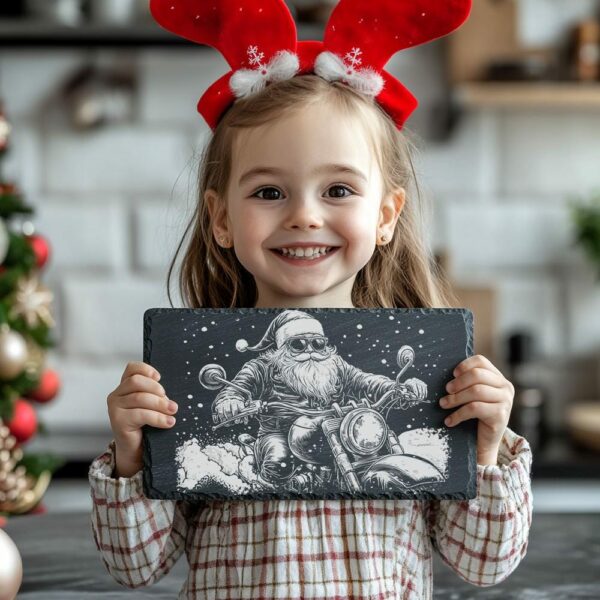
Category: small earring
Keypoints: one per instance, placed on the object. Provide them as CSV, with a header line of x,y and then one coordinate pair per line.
x,y
384,238
223,239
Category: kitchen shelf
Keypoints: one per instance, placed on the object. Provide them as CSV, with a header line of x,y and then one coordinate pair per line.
x,y
27,33
509,95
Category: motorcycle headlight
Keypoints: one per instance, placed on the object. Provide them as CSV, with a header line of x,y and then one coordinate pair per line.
x,y
363,431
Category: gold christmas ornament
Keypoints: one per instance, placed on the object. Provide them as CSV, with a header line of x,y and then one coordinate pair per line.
x,y
19,492
36,359
32,302
13,353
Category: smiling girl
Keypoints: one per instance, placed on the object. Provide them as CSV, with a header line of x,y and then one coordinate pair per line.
x,y
304,202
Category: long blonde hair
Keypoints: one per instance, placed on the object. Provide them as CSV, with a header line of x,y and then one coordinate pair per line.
x,y
401,274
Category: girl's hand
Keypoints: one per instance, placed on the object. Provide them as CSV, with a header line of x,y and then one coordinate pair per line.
x,y
138,400
483,393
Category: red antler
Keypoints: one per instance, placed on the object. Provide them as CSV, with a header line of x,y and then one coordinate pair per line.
x,y
380,29
230,26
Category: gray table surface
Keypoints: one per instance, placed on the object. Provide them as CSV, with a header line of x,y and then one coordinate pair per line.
x,y
61,562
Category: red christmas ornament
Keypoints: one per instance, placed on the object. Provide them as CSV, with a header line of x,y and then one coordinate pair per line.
x,y
259,41
40,248
2,521
23,424
47,388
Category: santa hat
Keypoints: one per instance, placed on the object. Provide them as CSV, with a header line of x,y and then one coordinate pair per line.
x,y
286,324
258,39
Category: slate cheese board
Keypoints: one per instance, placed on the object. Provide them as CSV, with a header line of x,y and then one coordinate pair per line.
x,y
308,403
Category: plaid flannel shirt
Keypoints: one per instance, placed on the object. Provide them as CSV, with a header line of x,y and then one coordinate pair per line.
x,y
317,549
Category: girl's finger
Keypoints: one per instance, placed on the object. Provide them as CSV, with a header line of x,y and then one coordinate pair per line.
x,y
474,376
477,360
149,401
484,411
478,392
140,383
141,368
135,418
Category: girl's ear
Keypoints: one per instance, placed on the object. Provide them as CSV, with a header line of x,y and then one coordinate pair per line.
x,y
389,212
218,217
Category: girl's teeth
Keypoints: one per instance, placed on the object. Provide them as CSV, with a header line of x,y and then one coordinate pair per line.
x,y
305,253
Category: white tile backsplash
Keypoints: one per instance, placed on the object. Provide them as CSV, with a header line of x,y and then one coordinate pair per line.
x,y
171,84
508,234
158,229
550,152
106,314
30,78
83,396
120,159
90,236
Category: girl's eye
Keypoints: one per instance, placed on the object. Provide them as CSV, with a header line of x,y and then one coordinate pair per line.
x,y
341,187
271,190
267,189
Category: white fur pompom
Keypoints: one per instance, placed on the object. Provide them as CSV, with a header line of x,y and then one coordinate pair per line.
x,y
284,65
331,67
246,82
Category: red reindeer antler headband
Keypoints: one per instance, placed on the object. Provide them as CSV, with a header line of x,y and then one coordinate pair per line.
x,y
259,41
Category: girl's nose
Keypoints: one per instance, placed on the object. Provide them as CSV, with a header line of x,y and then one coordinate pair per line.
x,y
303,213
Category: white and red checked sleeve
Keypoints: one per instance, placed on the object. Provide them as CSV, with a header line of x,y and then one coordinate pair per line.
x,y
139,539
485,538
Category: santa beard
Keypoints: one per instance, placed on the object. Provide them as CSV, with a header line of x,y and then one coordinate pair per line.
x,y
315,379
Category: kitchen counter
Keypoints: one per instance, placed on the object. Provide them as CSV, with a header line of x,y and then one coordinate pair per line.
x,y
61,562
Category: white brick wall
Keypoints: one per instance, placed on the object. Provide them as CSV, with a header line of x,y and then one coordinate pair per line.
x,y
172,82
119,159
158,228
105,314
549,153
115,202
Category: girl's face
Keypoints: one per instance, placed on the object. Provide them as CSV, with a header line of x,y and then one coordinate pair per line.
x,y
305,184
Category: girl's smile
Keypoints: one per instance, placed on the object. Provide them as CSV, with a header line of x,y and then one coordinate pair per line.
x,y
304,255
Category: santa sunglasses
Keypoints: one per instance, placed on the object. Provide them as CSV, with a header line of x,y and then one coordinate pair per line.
x,y
300,344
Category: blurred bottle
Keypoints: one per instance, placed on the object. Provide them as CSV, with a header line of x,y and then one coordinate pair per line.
x,y
586,50
529,413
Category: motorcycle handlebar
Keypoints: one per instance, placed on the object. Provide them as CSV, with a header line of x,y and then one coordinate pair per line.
x,y
256,407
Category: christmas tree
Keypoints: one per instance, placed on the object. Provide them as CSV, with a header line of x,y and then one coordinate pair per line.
x,y
25,327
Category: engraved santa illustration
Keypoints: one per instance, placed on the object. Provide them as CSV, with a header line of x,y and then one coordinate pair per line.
x,y
298,365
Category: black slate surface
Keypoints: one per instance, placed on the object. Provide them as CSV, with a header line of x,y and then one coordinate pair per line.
x,y
61,562
180,343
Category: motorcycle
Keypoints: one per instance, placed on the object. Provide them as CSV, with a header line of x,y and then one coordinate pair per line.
x,y
350,446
